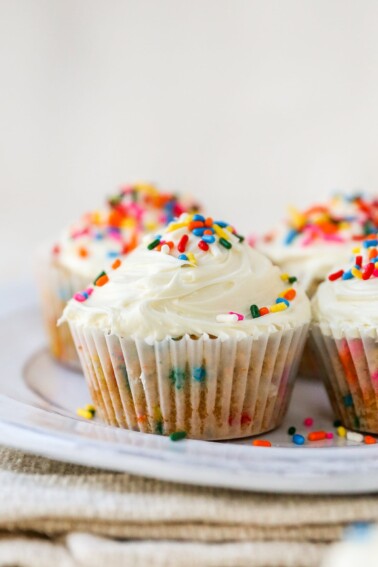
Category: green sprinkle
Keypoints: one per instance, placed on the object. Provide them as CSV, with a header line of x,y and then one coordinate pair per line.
x,y
116,200
225,243
337,423
99,276
177,435
357,422
292,280
159,427
291,431
255,311
241,238
153,244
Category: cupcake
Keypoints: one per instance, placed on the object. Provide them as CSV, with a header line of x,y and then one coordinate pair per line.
x,y
311,242
96,241
345,330
194,331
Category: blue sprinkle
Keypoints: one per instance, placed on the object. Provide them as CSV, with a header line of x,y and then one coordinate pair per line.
x,y
198,231
208,238
298,439
370,243
282,300
290,236
98,236
199,374
221,223
374,260
199,218
183,257
348,400
347,275
359,531
85,294
112,254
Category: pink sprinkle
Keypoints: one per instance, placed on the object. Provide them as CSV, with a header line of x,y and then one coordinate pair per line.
x,y
375,273
374,376
89,290
329,435
238,315
79,297
333,238
308,422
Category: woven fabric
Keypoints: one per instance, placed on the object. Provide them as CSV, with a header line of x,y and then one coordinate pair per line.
x,y
67,515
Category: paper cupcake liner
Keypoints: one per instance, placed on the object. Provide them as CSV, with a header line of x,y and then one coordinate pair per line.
x,y
209,388
350,358
309,364
57,285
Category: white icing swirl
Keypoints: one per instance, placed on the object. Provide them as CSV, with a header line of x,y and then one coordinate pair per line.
x,y
154,294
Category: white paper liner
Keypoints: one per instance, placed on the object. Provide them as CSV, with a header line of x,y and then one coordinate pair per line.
x,y
57,285
350,358
209,388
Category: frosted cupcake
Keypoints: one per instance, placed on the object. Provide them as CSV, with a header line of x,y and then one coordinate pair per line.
x,y
96,241
194,331
345,331
311,242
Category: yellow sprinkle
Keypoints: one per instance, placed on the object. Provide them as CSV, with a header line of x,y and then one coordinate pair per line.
x,y
344,226
297,219
128,222
229,228
356,273
151,225
284,277
220,232
84,413
191,258
96,217
341,431
176,226
376,264
277,307
89,407
356,250
146,188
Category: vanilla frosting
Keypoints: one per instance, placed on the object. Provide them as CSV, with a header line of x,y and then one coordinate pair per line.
x,y
310,243
100,236
350,300
160,292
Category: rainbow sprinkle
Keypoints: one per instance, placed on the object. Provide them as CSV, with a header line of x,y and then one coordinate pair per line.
x,y
365,264
341,219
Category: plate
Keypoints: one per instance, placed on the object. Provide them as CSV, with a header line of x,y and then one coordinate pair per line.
x,y
39,398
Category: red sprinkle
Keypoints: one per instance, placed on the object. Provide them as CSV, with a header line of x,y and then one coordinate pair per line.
x,y
308,422
329,435
368,271
181,246
369,440
203,245
359,261
336,275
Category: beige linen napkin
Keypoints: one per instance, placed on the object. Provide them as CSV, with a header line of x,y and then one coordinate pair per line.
x,y
59,514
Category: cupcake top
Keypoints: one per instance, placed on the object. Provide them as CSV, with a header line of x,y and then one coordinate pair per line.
x,y
349,297
196,277
311,242
104,235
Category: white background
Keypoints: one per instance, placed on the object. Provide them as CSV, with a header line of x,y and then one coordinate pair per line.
x,y
247,104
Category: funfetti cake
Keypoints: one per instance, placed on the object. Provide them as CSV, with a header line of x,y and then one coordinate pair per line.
x,y
192,333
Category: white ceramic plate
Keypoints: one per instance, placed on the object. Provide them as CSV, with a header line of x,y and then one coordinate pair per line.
x,y
38,402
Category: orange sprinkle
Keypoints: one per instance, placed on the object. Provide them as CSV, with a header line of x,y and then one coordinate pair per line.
x,y
83,252
369,440
208,232
316,435
102,281
170,244
195,224
290,294
116,264
115,218
209,222
141,418
261,443
264,311
372,253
